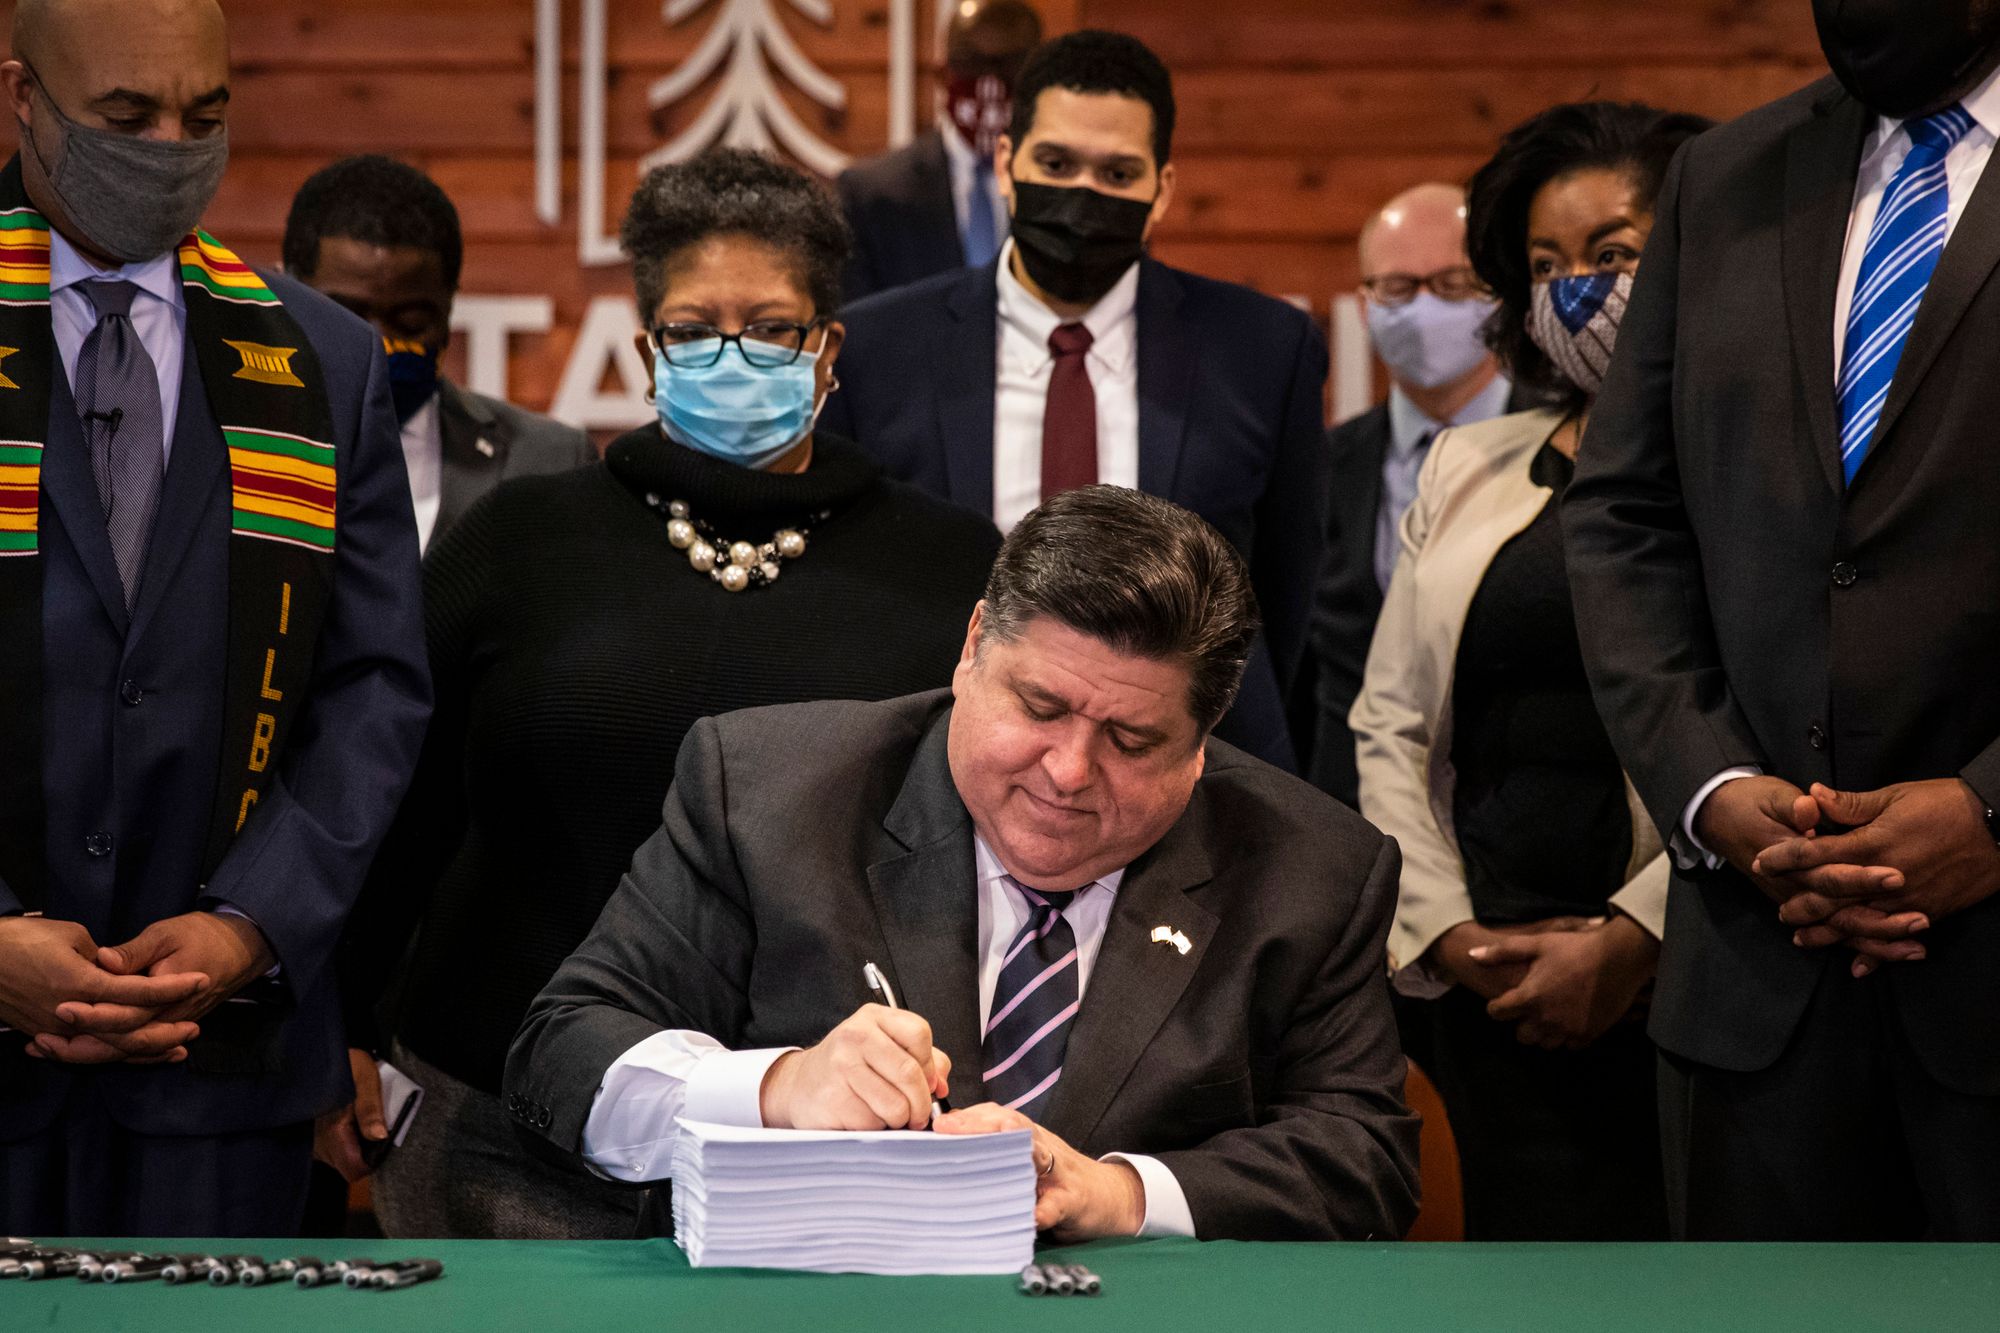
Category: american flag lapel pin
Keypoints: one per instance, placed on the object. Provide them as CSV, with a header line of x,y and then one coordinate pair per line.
x,y
1168,935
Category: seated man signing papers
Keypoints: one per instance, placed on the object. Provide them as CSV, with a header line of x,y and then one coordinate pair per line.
x,y
1163,955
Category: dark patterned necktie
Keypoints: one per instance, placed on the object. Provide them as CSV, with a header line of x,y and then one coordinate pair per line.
x,y
118,396
1069,418
1034,1004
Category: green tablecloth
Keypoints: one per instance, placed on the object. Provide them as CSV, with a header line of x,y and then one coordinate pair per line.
x,y
1149,1286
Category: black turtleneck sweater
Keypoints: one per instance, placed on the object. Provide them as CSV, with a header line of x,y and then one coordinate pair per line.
x,y
572,648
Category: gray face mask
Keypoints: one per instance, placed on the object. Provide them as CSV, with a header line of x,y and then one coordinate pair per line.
x,y
133,199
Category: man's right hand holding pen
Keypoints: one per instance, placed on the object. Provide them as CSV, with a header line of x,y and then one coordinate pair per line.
x,y
877,1070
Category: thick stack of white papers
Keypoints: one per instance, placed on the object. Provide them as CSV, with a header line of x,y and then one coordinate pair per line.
x,y
895,1201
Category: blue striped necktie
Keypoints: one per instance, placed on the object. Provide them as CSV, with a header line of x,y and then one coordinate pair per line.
x,y
1902,252
1034,1004
982,234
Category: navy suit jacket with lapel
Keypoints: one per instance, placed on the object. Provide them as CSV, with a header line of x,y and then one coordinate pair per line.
x,y
1230,427
1739,606
900,208
133,715
1261,1066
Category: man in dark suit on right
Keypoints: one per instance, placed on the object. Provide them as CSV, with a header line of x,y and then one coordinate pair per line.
x,y
1781,545
1425,313
1076,358
932,205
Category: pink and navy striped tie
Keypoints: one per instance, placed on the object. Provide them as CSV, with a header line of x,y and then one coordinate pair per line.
x,y
1034,1004
1904,246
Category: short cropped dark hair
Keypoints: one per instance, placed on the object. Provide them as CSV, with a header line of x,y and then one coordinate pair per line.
x,y
375,200
1134,572
1096,61
1576,136
733,191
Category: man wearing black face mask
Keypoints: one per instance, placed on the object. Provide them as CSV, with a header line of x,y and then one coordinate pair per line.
x,y
1075,359
933,205
215,686
382,239
1780,542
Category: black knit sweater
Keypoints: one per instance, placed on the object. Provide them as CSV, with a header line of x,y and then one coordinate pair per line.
x,y
572,648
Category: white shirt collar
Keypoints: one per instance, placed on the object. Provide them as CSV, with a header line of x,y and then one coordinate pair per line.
x,y
1982,104
1113,321
956,150
158,277
989,868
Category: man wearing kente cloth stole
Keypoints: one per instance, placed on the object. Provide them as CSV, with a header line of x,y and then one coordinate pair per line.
x,y
212,677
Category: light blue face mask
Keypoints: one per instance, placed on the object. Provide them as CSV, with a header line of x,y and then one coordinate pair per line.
x,y
744,414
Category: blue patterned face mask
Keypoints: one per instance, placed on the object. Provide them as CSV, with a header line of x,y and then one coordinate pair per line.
x,y
1575,323
744,414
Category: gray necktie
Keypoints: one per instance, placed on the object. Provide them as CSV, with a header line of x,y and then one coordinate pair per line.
x,y
118,394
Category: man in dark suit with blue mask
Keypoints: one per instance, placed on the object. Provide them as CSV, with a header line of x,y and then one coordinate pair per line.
x,y
1075,359
216,684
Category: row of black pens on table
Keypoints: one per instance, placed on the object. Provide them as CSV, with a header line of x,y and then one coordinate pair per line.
x,y
32,1261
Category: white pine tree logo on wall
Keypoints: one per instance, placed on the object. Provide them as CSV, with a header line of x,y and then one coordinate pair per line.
x,y
747,109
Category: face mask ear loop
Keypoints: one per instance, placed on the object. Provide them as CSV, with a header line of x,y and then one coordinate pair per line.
x,y
27,130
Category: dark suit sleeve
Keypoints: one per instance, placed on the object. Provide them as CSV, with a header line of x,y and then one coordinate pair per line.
x,y
1336,1155
1345,602
1634,563
671,950
430,826
1291,514
860,278
298,865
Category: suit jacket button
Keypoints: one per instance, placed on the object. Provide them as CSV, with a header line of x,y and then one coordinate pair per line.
x,y
98,844
1844,575
131,693
543,1121
1816,736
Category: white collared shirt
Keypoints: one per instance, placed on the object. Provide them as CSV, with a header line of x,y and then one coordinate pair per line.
x,y
1021,384
962,163
159,317
633,1122
423,459
1882,153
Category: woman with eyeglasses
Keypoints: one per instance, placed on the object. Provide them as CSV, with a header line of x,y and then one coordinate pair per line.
x,y
1533,889
724,556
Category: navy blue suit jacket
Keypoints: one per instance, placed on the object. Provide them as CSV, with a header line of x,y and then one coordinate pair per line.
x,y
900,209
1231,426
133,715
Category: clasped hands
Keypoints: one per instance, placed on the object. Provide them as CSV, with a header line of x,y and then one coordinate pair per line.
x,y
137,1002
1871,870
878,1070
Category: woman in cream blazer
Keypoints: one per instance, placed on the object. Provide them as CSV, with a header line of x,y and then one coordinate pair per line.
x,y
1534,886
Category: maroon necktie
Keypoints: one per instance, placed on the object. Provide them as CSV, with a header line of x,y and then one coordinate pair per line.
x,y
1069,419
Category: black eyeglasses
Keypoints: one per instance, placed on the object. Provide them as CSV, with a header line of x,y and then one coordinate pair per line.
x,y
767,343
1450,284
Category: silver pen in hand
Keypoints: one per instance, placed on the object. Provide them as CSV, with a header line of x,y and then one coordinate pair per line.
x,y
878,985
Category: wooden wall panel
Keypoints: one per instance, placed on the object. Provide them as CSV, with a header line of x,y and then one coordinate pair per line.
x,y
1297,117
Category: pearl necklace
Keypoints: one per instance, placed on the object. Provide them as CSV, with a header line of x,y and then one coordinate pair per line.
x,y
735,565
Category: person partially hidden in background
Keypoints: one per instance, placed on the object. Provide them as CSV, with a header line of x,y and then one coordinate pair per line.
x,y
1164,955
381,238
933,205
1425,308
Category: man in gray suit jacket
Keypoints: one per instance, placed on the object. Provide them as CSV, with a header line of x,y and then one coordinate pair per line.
x,y
1163,954
381,238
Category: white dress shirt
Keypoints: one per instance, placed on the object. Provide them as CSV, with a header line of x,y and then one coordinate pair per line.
x,y
963,164
630,1132
1021,383
423,459
159,317
1883,152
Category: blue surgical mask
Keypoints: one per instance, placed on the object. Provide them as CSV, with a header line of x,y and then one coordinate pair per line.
x,y
732,410
1429,341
